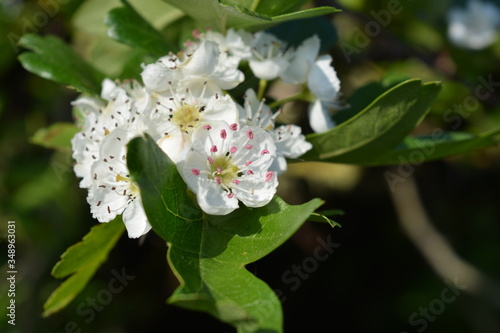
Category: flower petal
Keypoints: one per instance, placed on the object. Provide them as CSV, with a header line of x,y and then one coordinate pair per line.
x,y
323,81
135,219
319,117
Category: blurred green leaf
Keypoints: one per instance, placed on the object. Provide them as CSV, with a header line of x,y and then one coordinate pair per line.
x,y
82,260
208,253
378,128
415,150
56,136
128,27
220,14
54,60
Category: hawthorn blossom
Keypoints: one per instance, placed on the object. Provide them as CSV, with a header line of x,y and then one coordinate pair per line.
x,y
321,79
289,141
226,165
474,27
270,57
234,45
178,113
113,192
99,117
199,70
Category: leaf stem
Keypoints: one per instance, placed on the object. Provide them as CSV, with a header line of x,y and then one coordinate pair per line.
x,y
301,96
262,89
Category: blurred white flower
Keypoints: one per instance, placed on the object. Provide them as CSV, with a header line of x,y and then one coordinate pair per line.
x,y
226,164
474,27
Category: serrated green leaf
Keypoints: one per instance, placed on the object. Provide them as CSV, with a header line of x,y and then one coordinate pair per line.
x,y
128,27
56,136
222,14
380,127
67,291
208,253
52,59
415,150
82,260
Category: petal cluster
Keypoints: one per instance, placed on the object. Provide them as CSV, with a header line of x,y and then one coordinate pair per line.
x,y
228,154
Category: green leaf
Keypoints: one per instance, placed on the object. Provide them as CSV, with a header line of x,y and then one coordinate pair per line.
x,y
323,217
380,127
221,14
54,60
128,27
208,253
415,150
82,260
56,136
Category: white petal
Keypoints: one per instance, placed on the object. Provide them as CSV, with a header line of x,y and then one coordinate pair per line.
x,y
175,145
302,60
213,200
203,60
255,191
319,117
156,76
269,69
279,165
323,81
290,142
135,219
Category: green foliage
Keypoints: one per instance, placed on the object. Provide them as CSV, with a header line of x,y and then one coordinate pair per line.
x,y
54,60
221,14
438,145
81,261
56,136
128,27
379,127
209,253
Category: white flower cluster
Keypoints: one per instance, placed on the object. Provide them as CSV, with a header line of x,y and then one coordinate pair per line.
x,y
474,27
225,152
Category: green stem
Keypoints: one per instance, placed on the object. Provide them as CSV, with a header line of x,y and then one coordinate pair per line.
x,y
301,96
262,89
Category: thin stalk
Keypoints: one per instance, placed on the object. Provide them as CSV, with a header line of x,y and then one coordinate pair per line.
x,y
262,89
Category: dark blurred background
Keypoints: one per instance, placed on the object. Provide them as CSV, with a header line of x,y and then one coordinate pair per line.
x,y
375,279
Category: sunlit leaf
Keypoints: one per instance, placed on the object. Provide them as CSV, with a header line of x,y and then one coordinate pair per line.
x,y
81,261
56,136
208,253
54,60
380,127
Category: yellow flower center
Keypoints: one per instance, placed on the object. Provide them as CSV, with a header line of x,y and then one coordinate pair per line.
x,y
187,117
223,171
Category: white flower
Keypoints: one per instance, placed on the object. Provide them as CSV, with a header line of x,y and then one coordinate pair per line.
x,y
200,69
235,44
270,57
289,141
177,114
474,27
113,192
226,165
321,79
99,118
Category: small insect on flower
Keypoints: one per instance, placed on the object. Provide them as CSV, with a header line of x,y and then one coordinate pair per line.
x,y
226,165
